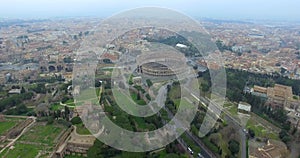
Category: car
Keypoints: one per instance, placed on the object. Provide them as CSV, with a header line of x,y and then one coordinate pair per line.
x,y
190,150
200,155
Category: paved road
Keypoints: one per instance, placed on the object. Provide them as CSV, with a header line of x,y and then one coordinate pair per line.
x,y
204,150
161,101
243,143
185,146
214,107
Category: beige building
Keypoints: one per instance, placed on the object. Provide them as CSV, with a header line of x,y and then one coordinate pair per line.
x,y
279,96
74,143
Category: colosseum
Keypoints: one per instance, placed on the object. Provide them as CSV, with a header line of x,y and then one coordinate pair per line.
x,y
161,64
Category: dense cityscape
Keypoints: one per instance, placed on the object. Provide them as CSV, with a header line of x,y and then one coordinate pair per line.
x,y
49,91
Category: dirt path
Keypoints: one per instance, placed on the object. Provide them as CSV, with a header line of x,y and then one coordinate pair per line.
x,y
14,140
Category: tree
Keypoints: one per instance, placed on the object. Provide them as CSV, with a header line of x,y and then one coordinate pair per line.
x,y
251,133
65,99
149,83
67,112
19,110
205,87
50,120
138,97
76,120
22,90
122,85
99,150
234,146
58,113
284,136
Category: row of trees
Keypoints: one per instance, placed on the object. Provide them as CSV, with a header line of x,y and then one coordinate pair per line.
x,y
238,79
14,100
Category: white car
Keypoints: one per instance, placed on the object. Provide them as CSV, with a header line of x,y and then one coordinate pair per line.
x,y
200,156
190,150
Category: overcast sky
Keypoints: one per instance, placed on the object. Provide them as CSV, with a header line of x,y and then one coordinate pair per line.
x,y
228,9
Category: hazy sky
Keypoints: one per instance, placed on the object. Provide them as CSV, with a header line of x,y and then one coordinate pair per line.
x,y
232,9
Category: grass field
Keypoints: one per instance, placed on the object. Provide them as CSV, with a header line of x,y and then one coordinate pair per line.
x,y
42,134
80,129
37,138
56,106
22,151
175,92
232,108
125,100
87,94
260,129
135,99
69,101
6,125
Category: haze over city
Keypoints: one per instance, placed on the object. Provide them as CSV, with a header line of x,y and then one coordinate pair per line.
x,y
225,9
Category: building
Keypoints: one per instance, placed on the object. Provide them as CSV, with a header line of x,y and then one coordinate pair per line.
x,y
14,91
137,80
244,108
158,69
279,96
161,64
259,89
74,143
68,76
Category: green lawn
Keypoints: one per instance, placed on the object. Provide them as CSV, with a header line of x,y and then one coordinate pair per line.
x,y
177,102
98,91
127,101
69,101
56,106
186,104
42,134
196,84
135,99
22,151
232,108
87,94
6,125
175,92
80,129
260,130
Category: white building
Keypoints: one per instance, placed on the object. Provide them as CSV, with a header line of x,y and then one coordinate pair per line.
x,y
244,108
